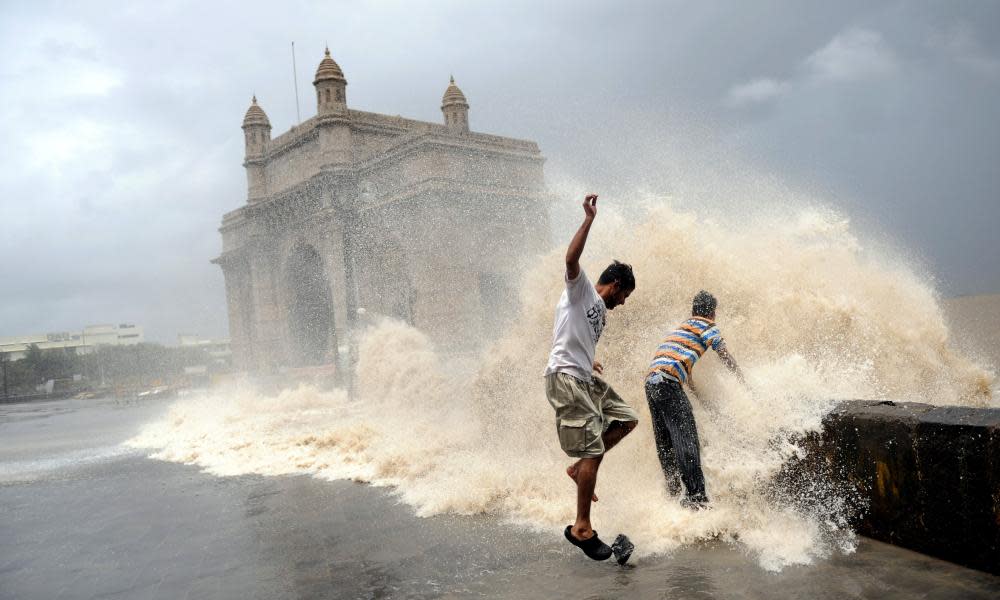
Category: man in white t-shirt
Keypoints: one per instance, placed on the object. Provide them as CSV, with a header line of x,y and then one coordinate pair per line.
x,y
590,417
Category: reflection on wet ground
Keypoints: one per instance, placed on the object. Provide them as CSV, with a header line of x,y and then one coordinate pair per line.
x,y
118,525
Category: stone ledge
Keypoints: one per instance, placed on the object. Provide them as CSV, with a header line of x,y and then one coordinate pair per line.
x,y
928,477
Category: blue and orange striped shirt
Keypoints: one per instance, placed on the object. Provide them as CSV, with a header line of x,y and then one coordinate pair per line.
x,y
676,355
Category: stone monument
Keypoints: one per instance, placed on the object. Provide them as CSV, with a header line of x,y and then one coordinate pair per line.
x,y
423,222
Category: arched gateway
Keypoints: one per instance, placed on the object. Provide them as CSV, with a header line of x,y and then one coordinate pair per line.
x,y
352,209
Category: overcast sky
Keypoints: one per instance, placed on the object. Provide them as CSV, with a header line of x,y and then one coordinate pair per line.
x,y
122,145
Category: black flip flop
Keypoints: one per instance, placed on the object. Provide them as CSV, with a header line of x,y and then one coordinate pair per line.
x,y
622,547
593,547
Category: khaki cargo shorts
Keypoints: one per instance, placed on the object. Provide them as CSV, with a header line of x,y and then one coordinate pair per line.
x,y
584,411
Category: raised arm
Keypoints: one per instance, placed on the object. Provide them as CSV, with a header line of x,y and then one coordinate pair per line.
x,y
579,240
730,362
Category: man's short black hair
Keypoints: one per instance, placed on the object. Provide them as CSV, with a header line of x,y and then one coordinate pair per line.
x,y
703,305
620,272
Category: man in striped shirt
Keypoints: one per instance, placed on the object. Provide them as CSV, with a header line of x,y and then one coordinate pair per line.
x,y
669,408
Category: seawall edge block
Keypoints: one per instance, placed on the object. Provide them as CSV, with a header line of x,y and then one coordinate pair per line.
x,y
928,477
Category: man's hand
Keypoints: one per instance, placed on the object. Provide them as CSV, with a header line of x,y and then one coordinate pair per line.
x,y
580,239
730,362
598,368
590,206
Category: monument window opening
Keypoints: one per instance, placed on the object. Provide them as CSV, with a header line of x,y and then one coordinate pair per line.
x,y
327,96
240,289
496,300
384,283
309,308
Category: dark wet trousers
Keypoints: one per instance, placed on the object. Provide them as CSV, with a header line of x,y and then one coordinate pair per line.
x,y
676,437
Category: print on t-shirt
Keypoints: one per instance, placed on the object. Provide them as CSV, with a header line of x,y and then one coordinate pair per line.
x,y
597,318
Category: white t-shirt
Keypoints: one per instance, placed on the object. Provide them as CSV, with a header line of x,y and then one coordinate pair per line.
x,y
580,318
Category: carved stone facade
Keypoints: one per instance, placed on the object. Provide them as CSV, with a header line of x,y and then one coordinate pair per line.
x,y
428,223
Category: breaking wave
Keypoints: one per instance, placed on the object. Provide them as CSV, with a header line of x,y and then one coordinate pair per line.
x,y
811,317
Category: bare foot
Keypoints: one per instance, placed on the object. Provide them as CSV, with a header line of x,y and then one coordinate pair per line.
x,y
571,471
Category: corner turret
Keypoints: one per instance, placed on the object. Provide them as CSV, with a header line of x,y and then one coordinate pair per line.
x,y
331,87
256,129
257,136
455,108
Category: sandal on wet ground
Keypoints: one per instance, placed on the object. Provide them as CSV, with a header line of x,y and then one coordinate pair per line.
x,y
623,548
696,503
593,547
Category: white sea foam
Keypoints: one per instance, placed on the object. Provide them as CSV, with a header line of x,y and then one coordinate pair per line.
x,y
810,316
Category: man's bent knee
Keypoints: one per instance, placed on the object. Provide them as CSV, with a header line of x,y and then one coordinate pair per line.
x,y
589,463
625,426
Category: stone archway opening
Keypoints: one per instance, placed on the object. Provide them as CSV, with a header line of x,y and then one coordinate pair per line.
x,y
384,282
310,308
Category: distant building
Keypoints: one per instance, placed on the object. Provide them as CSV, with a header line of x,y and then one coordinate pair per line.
x,y
219,351
82,342
430,223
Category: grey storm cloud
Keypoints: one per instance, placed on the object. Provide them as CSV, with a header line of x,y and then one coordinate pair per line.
x,y
123,149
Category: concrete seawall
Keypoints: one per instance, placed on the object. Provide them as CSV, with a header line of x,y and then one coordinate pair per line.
x,y
927,478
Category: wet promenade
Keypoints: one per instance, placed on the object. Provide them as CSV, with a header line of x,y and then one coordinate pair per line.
x,y
81,517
